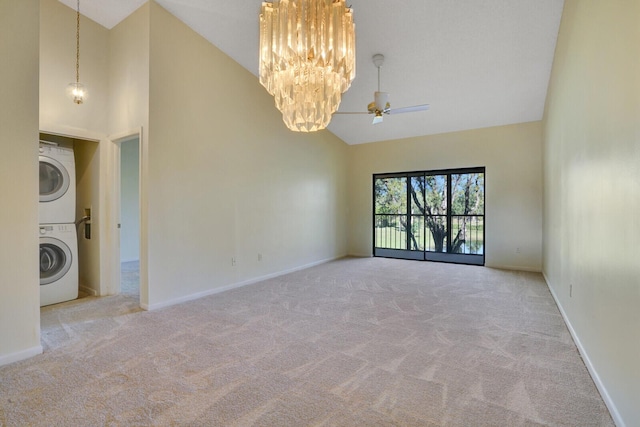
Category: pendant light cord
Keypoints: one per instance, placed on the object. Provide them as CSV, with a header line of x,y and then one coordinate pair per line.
x,y
78,43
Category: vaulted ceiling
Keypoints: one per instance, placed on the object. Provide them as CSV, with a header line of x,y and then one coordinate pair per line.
x,y
477,63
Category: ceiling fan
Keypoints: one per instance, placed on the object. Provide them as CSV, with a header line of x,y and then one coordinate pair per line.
x,y
381,105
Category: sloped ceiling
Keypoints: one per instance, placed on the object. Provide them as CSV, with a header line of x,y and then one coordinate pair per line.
x,y
477,63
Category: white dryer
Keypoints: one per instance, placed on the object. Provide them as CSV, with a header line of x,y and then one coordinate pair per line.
x,y
58,263
57,185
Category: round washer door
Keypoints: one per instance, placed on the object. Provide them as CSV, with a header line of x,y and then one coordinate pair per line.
x,y
54,179
55,260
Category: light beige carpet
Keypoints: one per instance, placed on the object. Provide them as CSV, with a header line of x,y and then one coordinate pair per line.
x,y
355,342
130,278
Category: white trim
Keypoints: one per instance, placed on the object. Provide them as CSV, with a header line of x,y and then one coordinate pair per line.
x,y
121,137
111,249
515,268
613,410
89,291
106,216
233,286
115,230
71,132
20,355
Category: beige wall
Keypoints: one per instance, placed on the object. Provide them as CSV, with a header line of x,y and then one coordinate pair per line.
x,y
592,192
87,190
287,205
58,114
128,112
513,181
19,281
57,67
226,178
129,73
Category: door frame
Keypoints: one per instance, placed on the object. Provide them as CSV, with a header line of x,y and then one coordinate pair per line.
x,y
113,232
108,213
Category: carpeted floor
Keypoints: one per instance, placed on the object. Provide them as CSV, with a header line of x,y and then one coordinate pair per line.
x,y
355,342
130,278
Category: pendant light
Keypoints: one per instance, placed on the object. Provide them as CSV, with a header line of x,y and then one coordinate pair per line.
x,y
76,90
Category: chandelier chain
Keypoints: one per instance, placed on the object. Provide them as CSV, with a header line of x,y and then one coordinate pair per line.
x,y
78,43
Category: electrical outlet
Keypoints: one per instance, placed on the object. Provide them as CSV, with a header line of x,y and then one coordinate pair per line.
x,y
517,250
233,261
259,257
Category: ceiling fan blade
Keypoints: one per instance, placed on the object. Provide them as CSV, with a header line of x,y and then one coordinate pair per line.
x,y
422,107
352,112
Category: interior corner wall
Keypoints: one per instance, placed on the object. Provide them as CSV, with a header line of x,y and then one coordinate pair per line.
x,y
129,73
87,189
513,185
58,113
129,111
592,192
227,181
19,281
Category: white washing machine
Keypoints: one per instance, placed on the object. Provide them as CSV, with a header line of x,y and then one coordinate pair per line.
x,y
57,185
58,263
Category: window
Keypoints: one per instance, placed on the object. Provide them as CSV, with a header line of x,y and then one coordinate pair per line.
x,y
430,215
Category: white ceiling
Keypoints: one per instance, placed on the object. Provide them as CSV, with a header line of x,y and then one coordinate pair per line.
x,y
479,63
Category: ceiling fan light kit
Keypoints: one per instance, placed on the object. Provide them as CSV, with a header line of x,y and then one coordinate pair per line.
x,y
380,104
381,101
307,58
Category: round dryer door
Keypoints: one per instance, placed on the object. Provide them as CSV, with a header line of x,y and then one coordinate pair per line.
x,y
54,179
55,260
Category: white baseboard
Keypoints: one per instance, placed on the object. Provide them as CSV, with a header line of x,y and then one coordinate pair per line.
x,y
89,291
20,355
252,281
361,255
515,268
500,267
613,410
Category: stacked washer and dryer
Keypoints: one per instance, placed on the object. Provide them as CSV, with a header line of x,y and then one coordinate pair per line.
x,y
58,235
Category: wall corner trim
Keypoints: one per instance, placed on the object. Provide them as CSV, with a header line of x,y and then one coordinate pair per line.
x,y
87,290
613,410
20,355
514,268
361,255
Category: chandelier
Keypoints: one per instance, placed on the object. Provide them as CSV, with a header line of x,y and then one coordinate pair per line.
x,y
307,58
76,90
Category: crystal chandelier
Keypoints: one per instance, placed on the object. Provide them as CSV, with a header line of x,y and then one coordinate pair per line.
x,y
307,58
76,90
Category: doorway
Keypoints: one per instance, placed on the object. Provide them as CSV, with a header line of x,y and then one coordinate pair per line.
x,y
130,217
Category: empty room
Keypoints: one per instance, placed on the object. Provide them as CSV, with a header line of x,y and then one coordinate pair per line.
x,y
319,212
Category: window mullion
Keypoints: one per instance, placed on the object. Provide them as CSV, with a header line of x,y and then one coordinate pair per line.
x,y
449,212
408,235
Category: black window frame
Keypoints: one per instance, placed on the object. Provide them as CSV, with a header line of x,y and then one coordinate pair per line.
x,y
424,254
